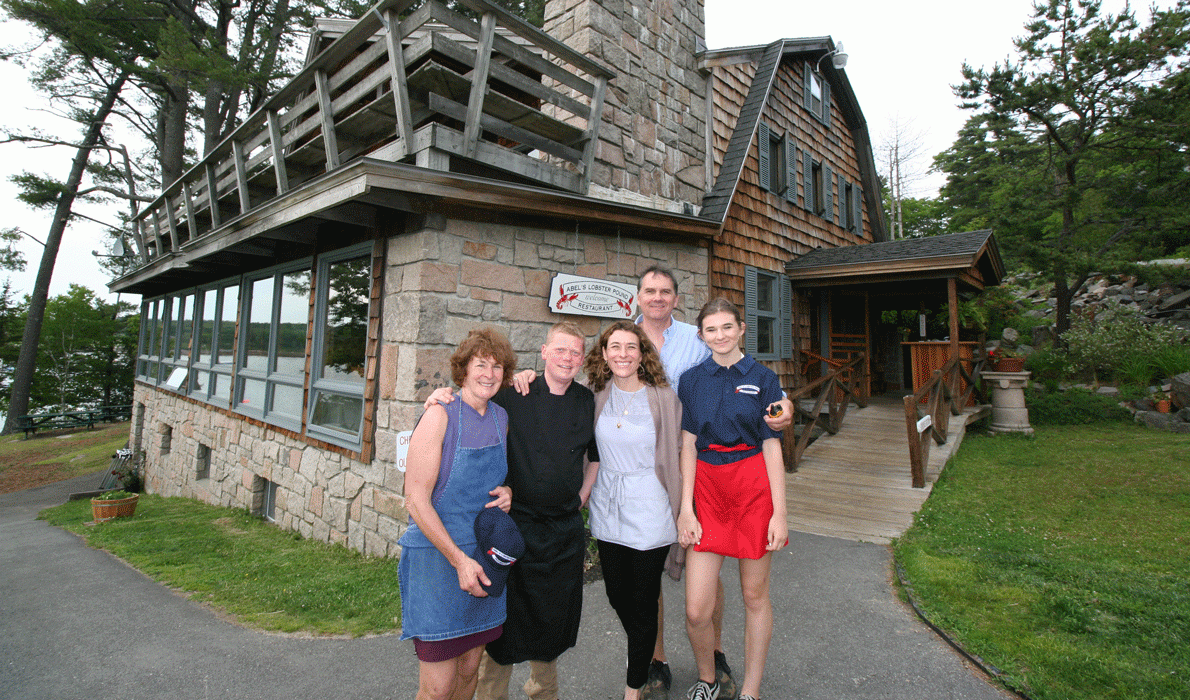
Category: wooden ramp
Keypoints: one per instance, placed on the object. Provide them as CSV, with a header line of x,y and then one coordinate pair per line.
x,y
856,485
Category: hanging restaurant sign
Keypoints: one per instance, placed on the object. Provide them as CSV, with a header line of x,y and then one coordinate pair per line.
x,y
587,296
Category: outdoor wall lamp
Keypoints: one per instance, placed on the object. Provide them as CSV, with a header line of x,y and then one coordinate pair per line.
x,y
838,58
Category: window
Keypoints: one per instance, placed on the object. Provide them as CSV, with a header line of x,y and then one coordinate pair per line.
x,y
202,468
819,184
272,358
214,357
167,437
778,163
288,366
768,310
264,498
816,95
340,345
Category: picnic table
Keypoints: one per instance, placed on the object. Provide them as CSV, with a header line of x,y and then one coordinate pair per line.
x,y
74,419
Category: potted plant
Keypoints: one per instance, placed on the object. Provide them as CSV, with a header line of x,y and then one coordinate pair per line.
x,y
1161,402
1006,360
113,504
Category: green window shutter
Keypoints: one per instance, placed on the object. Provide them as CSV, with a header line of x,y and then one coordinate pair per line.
x,y
844,214
828,188
808,179
790,171
785,324
826,102
763,148
750,309
857,223
807,100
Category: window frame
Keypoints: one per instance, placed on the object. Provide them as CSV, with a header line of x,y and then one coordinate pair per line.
x,y
269,377
781,315
222,371
819,107
319,384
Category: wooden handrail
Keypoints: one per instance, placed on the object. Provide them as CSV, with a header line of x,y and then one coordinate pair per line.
x,y
836,389
943,396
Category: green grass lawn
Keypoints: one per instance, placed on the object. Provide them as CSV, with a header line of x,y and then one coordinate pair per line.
x,y
1063,559
264,577
57,456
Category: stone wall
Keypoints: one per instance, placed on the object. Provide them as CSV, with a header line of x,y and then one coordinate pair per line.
x,y
652,146
443,278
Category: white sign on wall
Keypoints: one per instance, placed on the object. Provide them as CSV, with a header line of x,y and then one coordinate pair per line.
x,y
403,448
587,296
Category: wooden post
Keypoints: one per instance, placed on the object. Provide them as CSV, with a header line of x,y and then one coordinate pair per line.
x,y
278,151
479,84
952,301
213,195
593,121
237,152
916,445
326,112
396,69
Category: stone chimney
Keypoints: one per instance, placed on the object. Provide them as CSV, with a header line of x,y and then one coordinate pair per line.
x,y
653,138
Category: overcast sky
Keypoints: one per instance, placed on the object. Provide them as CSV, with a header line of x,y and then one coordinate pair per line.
x,y
903,57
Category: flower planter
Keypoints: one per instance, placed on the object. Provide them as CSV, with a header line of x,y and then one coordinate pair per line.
x,y
1010,364
1162,405
103,511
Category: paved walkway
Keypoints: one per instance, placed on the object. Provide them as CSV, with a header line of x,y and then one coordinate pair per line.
x,y
78,623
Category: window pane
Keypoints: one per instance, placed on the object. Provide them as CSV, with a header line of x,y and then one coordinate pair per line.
x,y
200,381
338,412
224,350
259,319
765,338
168,313
287,400
294,319
345,330
220,388
158,327
252,394
206,329
185,321
764,293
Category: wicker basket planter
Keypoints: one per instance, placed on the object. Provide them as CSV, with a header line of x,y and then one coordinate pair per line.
x,y
103,511
1010,364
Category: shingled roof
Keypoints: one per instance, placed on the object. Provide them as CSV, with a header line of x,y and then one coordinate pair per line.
x,y
973,254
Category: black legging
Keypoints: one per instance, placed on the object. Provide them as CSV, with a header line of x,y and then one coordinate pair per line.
x,y
633,582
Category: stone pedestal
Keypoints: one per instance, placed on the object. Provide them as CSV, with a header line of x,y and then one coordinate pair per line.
x,y
1009,414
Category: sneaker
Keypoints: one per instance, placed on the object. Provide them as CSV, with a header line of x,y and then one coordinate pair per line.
x,y
702,690
657,684
727,686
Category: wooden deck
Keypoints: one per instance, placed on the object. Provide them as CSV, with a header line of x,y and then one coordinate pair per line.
x,y
856,485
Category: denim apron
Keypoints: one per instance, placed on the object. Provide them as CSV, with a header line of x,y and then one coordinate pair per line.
x,y
433,607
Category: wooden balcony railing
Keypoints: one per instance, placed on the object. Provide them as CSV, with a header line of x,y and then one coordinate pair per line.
x,y
945,394
418,86
846,382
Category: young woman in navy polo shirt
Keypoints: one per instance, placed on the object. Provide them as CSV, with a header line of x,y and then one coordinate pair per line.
x,y
733,492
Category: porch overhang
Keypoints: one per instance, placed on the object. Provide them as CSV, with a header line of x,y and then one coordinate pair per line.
x,y
361,192
905,267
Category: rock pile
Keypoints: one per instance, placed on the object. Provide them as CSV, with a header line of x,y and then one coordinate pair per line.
x,y
1177,420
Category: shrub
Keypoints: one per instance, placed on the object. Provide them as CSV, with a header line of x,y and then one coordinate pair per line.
x,y
1073,407
1172,360
1049,366
1101,345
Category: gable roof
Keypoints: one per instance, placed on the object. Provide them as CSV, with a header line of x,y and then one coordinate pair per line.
x,y
717,201
973,256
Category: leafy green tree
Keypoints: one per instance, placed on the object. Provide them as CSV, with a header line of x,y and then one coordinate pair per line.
x,y
1073,94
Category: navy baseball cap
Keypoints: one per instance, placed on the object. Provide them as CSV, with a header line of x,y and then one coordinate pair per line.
x,y
498,545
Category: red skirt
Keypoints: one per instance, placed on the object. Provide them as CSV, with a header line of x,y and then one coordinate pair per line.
x,y
734,504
